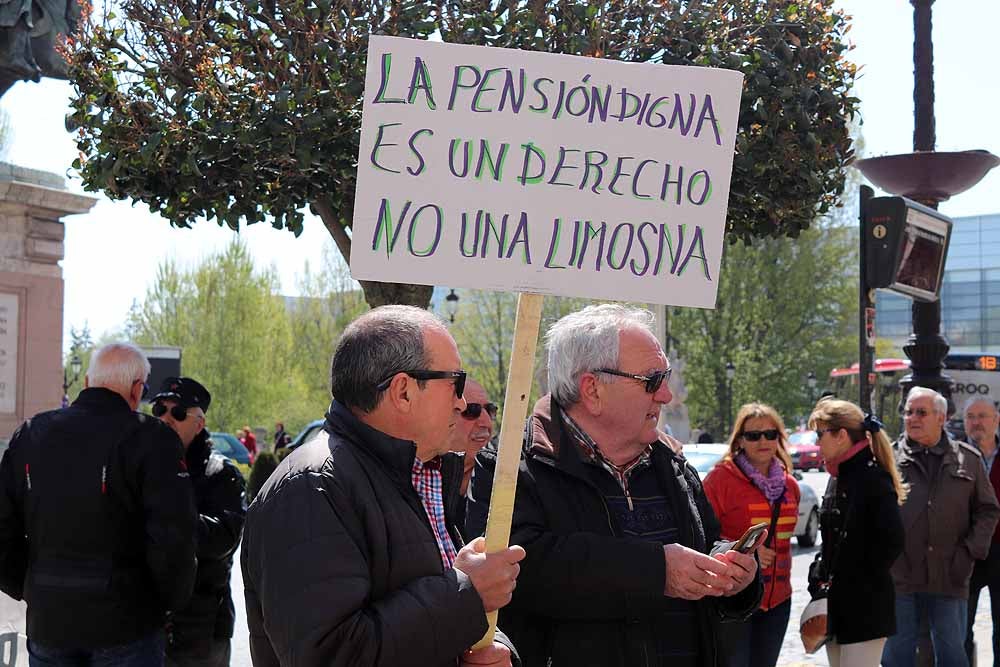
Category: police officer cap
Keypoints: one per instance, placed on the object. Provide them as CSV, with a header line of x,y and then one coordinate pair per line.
x,y
186,392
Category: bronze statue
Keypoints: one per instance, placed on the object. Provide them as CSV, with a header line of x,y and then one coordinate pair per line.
x,y
29,30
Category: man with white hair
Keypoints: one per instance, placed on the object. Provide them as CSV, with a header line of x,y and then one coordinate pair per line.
x,y
97,522
949,516
472,432
981,422
615,523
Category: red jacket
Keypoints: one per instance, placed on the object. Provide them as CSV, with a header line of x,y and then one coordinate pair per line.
x,y
739,504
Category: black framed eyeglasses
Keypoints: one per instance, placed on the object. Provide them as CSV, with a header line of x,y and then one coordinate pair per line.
x,y
754,436
473,410
653,380
178,412
420,374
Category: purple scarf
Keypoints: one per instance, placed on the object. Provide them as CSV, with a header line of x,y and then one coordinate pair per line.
x,y
772,486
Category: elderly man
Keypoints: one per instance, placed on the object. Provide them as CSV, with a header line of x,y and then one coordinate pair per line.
x,y
615,523
97,522
472,432
199,634
981,422
350,556
949,516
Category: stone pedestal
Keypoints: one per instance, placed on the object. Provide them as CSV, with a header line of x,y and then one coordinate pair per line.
x,y
32,205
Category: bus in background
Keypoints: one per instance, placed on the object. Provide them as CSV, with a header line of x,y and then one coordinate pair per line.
x,y
974,374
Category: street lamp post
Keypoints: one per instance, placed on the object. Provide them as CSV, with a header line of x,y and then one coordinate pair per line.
x,y
929,177
811,383
730,373
451,305
76,364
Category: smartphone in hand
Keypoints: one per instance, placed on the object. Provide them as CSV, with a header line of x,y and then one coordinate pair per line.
x,y
749,539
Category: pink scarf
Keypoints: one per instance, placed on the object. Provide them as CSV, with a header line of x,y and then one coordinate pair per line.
x,y
833,467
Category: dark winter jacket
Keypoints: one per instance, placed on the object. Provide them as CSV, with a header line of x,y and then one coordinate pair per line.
x,y
861,523
97,523
219,495
948,525
340,564
585,594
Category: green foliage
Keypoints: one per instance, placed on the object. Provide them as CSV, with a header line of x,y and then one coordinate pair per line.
x,y
263,466
249,111
234,333
784,308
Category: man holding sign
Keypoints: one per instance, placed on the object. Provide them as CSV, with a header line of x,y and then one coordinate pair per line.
x,y
349,555
616,525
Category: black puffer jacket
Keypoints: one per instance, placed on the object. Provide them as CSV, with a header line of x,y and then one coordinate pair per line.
x,y
340,566
219,495
97,523
862,536
586,595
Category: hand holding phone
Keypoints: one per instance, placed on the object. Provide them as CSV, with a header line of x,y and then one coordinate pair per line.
x,y
749,540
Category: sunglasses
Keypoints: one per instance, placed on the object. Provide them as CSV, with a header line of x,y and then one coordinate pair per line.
x,y
754,436
920,412
457,376
178,412
653,381
473,410
821,431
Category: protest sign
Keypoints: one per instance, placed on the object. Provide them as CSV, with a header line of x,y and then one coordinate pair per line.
x,y
537,172
541,174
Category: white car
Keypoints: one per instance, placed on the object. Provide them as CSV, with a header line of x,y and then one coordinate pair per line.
x,y
704,457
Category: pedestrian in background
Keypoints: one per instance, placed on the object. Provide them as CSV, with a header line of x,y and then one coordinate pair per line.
x,y
949,515
249,441
862,532
281,439
97,522
752,484
981,422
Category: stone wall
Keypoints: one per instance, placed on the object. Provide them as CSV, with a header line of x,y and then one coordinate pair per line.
x,y
32,206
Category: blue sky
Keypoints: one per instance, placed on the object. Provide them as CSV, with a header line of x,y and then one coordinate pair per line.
x,y
112,252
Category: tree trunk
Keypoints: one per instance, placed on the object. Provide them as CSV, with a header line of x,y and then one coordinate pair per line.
x,y
376,293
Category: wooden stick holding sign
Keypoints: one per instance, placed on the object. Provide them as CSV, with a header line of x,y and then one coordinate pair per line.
x,y
515,410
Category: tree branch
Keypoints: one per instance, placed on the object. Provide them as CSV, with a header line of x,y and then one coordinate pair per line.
x,y
332,222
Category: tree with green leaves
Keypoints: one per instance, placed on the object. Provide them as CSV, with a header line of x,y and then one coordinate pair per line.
x,y
784,309
249,111
234,334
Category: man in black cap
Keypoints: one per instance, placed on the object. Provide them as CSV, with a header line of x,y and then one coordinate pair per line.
x,y
200,633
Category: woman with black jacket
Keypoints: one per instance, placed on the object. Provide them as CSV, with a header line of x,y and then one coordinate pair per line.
x,y
862,533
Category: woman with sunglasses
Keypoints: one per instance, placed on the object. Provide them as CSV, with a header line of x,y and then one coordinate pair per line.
x,y
751,485
862,533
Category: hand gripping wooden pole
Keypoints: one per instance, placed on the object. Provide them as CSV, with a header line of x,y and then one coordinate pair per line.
x,y
515,409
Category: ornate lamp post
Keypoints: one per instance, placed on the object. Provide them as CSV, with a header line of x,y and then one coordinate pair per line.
x,y
928,177
451,305
811,383
77,365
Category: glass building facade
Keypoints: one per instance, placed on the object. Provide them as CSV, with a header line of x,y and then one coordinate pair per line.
x,y
970,292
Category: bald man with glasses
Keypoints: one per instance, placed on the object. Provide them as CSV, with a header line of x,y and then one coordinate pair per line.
x,y
351,556
616,525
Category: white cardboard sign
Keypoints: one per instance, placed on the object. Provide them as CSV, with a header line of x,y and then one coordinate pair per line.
x,y
536,172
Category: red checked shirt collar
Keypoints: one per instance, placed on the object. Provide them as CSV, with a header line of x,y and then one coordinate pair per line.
x,y
427,482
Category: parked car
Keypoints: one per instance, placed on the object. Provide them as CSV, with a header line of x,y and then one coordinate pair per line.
x,y
704,457
312,430
230,446
804,451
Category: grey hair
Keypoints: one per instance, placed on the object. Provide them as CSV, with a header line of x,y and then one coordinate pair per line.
x,y
940,402
117,366
585,340
376,346
985,399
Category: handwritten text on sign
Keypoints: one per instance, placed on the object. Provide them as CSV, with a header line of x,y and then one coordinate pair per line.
x,y
524,171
